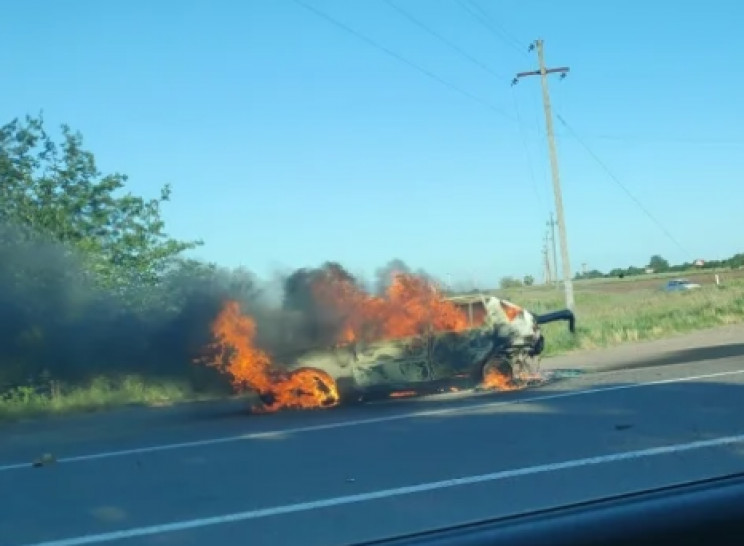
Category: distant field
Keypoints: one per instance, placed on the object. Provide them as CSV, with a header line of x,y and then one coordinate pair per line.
x,y
610,312
657,280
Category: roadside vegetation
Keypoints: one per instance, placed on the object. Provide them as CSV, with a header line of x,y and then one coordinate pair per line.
x,y
99,393
606,317
100,307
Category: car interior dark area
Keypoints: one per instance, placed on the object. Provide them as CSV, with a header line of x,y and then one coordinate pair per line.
x,y
709,511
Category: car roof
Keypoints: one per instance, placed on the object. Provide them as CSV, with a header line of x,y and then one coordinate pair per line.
x,y
467,298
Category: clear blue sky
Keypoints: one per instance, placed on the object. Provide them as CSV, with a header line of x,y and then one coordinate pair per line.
x,y
289,141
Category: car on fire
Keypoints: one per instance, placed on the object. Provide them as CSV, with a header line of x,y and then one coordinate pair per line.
x,y
501,337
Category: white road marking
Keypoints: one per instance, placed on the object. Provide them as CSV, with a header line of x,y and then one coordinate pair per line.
x,y
387,493
370,421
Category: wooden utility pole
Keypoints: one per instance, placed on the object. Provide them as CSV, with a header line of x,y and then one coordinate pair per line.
x,y
551,225
546,262
543,73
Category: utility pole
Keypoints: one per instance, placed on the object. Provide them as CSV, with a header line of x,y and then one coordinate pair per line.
x,y
543,73
551,225
546,262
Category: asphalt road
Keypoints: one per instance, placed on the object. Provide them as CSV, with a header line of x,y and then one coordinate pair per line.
x,y
661,414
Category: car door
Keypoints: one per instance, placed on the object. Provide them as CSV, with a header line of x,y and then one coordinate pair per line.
x,y
393,362
456,354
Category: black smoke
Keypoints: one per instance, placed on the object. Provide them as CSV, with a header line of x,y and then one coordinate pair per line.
x,y
384,275
58,321
315,324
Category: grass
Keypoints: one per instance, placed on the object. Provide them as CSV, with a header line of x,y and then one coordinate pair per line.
x,y
605,318
690,273
101,393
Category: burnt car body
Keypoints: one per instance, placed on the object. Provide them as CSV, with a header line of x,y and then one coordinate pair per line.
x,y
500,335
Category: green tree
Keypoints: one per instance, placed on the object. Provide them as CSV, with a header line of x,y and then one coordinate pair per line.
x,y
56,189
528,280
736,261
591,274
658,264
509,282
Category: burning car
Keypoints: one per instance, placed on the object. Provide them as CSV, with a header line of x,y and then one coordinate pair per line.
x,y
502,341
410,339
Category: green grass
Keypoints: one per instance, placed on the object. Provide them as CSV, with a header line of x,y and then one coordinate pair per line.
x,y
100,393
606,319
689,273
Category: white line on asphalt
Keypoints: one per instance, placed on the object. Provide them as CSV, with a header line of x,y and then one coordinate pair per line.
x,y
387,493
370,421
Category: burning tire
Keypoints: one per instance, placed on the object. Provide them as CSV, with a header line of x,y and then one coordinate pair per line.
x,y
497,365
302,388
497,373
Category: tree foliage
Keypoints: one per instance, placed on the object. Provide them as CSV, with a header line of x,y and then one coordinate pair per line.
x,y
509,282
55,190
658,264
90,282
661,265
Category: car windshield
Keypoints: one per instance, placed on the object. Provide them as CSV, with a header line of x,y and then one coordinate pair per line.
x,y
323,272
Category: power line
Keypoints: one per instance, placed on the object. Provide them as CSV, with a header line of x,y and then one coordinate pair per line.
x,y
444,40
667,140
708,296
621,185
472,59
401,59
533,178
519,44
489,25
636,139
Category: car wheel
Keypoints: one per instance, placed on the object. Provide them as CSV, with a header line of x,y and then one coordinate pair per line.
x,y
498,365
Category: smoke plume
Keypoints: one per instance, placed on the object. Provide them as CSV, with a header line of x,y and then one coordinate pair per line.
x,y
58,321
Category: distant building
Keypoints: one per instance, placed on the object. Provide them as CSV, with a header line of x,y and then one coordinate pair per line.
x,y
649,270
698,263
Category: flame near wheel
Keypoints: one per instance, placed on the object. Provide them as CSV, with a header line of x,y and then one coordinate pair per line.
x,y
497,373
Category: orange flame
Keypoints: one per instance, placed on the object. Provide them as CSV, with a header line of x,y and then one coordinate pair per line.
x,y
511,310
402,394
496,380
410,306
251,367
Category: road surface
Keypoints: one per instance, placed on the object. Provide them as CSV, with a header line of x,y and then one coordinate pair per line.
x,y
658,414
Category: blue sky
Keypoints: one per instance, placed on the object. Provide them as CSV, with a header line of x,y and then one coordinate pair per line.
x,y
289,141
